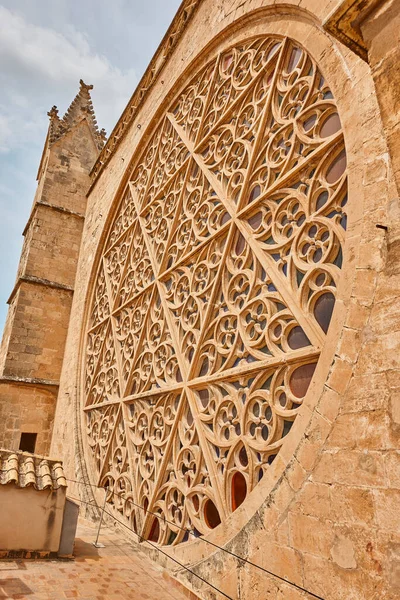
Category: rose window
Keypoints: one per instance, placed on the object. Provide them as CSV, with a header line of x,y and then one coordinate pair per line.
x,y
215,289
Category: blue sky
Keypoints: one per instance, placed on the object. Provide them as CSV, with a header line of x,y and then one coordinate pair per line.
x,y
46,46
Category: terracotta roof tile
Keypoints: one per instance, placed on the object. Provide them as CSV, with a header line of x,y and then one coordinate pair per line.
x,y
24,470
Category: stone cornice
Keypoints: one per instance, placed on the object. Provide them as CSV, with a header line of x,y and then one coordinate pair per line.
x,y
61,209
39,281
165,49
28,381
344,24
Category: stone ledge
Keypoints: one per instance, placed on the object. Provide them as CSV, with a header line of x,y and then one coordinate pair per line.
x,y
28,381
54,207
39,281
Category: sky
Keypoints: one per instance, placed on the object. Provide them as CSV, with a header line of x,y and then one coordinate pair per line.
x,y
46,46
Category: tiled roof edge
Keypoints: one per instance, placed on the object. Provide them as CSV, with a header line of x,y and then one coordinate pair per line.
x,y
30,470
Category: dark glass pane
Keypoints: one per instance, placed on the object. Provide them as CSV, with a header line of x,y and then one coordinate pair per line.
x,y
323,310
239,490
196,502
172,537
317,255
294,59
300,379
244,459
309,123
225,218
331,126
204,367
240,243
204,397
287,426
155,531
255,220
297,338
211,514
189,418
337,168
255,192
321,200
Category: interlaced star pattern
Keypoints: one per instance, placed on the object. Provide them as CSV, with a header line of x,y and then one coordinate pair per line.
x,y
215,290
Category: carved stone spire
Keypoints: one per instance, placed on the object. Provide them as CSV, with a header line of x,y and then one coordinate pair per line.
x,y
80,108
55,126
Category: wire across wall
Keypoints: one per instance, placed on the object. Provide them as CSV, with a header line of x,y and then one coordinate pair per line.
x,y
189,532
142,539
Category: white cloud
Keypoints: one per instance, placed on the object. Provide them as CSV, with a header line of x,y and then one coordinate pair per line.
x,y
39,63
40,67
46,46
6,129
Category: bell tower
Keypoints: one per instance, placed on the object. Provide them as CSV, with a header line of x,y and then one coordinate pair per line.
x,y
34,337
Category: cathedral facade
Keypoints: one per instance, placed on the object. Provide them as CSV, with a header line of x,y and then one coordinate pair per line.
x,y
205,318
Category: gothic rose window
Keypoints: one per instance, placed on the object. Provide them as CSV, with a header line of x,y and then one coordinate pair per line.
x,y
215,290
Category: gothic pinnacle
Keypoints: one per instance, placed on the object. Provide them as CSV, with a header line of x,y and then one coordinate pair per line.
x,y
53,112
84,86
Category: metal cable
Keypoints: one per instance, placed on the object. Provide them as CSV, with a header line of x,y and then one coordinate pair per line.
x,y
245,560
155,547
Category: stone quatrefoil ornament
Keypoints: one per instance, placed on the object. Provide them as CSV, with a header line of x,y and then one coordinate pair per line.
x,y
215,290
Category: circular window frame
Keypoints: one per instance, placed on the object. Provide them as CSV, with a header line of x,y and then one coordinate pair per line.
x,y
301,34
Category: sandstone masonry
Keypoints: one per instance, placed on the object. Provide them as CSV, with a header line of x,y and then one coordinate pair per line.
x,y
324,520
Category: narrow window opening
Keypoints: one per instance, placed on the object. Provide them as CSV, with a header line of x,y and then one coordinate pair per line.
x,y
27,442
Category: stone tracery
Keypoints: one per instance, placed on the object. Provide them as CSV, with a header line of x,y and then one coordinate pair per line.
x,y
215,289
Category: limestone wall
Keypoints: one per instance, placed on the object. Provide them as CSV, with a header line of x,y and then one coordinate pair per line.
x,y
39,332
326,517
48,255
32,348
27,408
